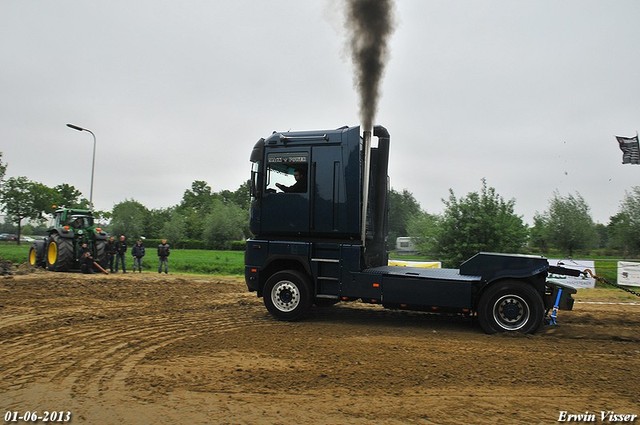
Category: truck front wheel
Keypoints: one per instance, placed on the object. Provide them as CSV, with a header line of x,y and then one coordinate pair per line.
x,y
287,295
510,306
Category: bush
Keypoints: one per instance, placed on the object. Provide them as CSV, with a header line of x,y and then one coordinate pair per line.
x,y
238,245
181,244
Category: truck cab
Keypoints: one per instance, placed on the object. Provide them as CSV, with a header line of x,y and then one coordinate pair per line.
x,y
319,222
327,205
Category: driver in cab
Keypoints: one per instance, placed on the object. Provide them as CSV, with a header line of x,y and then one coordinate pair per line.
x,y
300,186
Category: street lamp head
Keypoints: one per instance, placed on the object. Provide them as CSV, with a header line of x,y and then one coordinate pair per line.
x,y
75,127
93,163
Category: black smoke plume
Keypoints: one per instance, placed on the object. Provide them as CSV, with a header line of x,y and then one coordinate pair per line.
x,y
369,25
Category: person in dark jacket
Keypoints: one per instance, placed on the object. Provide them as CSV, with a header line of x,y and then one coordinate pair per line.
x,y
121,250
300,186
138,252
112,250
86,260
163,256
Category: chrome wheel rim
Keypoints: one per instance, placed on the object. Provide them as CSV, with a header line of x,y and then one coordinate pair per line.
x,y
511,312
285,296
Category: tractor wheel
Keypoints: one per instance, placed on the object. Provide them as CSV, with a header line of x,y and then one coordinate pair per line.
x,y
33,257
101,252
59,254
36,254
287,295
510,306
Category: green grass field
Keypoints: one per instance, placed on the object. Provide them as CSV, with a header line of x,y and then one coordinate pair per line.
x,y
231,263
228,263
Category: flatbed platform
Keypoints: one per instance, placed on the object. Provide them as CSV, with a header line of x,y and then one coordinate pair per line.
x,y
424,273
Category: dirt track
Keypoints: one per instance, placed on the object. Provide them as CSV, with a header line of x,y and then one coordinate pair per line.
x,y
141,349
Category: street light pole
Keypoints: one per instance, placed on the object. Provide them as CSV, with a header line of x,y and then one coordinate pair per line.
x,y
93,162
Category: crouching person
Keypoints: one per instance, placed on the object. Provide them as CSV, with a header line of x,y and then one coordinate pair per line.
x,y
86,259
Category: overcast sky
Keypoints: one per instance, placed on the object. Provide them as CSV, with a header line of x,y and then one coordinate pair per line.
x,y
527,94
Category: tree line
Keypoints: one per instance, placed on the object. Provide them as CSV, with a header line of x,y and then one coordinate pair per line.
x,y
203,219
485,221
479,221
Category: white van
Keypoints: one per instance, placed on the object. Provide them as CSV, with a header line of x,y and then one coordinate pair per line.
x,y
405,245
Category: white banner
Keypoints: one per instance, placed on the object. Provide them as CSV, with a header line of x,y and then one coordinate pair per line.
x,y
422,264
628,273
575,282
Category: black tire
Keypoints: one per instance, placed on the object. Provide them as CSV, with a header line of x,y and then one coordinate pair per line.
x,y
59,254
33,257
101,252
510,306
287,295
36,254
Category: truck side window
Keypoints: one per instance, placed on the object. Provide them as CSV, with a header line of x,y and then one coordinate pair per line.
x,y
286,173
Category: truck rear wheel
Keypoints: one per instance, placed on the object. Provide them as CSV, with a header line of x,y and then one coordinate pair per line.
x,y
287,295
510,306
59,254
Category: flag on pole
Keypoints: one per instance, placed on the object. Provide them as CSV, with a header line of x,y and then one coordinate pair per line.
x,y
630,149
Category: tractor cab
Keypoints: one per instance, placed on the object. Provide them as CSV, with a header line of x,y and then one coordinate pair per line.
x,y
80,221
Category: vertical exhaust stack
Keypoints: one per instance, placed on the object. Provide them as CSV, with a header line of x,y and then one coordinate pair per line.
x,y
375,211
382,189
366,135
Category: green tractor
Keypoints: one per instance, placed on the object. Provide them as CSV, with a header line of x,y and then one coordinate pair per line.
x,y
60,251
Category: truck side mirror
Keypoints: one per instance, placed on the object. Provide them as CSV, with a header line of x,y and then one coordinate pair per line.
x,y
253,186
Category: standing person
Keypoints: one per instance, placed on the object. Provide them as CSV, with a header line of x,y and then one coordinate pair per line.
x,y
138,252
163,256
121,250
112,250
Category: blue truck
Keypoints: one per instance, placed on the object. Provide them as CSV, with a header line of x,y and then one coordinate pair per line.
x,y
319,217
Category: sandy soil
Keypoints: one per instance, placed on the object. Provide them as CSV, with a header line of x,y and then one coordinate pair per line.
x,y
149,348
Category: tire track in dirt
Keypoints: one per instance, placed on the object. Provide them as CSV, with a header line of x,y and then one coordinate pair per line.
x,y
142,350
90,351
106,359
114,365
